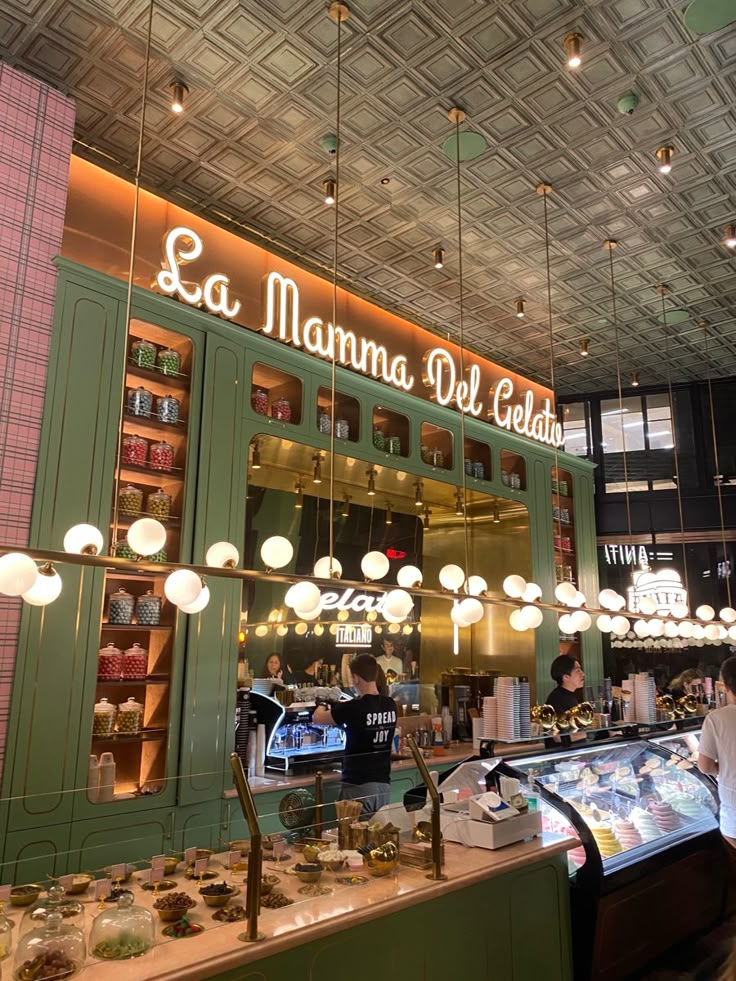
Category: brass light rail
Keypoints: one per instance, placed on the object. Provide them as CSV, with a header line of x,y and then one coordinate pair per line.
x,y
437,874
255,856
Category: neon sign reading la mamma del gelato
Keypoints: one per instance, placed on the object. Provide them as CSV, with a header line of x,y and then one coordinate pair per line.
x,y
442,377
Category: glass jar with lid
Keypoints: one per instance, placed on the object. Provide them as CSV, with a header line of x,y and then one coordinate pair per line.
x,y
120,607
324,422
54,949
104,718
169,362
130,499
167,409
135,663
130,717
143,353
6,935
122,931
55,901
161,456
134,450
342,429
281,410
379,439
158,504
109,663
140,401
259,401
148,609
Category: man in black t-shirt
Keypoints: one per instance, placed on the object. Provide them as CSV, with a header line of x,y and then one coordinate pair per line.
x,y
369,722
568,674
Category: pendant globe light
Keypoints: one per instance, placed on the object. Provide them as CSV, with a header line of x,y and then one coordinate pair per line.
x,y
46,588
83,539
199,603
146,536
183,587
374,566
18,574
409,576
223,555
276,552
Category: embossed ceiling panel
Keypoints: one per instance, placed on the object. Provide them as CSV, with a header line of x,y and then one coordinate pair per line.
x,y
262,95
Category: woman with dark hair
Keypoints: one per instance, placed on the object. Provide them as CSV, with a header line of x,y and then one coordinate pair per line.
x,y
717,755
369,722
273,667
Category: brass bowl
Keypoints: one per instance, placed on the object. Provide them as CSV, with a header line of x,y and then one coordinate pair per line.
x,y
241,845
311,876
175,913
335,866
310,853
204,853
383,860
25,895
171,864
80,883
268,883
218,901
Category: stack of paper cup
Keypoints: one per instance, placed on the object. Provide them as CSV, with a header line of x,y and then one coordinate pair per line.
x,y
645,697
525,720
507,708
490,718
477,732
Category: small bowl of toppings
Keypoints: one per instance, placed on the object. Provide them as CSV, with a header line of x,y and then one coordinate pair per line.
x,y
184,928
171,864
48,964
218,894
276,900
174,906
333,859
241,845
230,914
268,882
24,895
308,871
80,883
121,949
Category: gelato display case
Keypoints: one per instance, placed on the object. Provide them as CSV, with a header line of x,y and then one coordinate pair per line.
x,y
684,744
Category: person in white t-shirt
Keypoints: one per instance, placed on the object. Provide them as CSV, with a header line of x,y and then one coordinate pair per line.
x,y
717,756
388,659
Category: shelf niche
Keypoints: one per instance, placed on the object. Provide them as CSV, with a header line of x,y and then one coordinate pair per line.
x,y
276,385
347,408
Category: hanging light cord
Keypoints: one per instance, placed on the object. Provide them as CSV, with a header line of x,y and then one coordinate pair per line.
x,y
131,271
458,115
662,289
726,565
610,244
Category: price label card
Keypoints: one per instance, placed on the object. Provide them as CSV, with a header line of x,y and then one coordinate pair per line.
x,y
102,888
146,875
157,875
235,856
118,872
200,866
66,882
5,894
190,856
158,861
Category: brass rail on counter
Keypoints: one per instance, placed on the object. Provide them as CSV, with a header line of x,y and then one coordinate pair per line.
x,y
255,857
436,872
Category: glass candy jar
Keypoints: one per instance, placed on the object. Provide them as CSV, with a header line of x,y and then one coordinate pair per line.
x,y
379,440
122,931
169,362
143,353
135,662
120,607
281,410
140,401
167,409
342,429
161,556
259,401
134,451
394,445
130,717
53,950
55,901
324,422
103,723
161,456
158,504
148,609
130,499
124,551
109,663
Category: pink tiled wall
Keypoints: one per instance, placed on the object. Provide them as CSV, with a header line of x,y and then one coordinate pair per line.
x,y
36,128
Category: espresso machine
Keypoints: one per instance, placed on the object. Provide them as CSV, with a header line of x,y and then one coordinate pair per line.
x,y
462,692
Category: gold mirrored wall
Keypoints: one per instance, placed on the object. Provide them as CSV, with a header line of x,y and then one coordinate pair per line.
x,y
413,521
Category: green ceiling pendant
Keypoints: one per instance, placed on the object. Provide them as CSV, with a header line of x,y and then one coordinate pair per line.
x,y
707,16
472,145
675,316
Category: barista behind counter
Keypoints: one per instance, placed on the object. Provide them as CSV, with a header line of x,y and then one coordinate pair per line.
x,y
369,722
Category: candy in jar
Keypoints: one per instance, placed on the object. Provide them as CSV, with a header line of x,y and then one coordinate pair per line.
x,y
159,556
120,608
124,551
479,470
394,445
324,422
158,504
143,353
103,722
379,440
161,456
135,663
109,663
140,401
342,429
468,466
169,362
281,410
130,717
134,451
148,609
130,500
259,401
438,458
167,409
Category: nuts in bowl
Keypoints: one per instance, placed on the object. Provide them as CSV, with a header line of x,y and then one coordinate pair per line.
x,y
173,906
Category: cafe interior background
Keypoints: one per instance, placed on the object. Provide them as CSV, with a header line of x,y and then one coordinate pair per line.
x,y
520,219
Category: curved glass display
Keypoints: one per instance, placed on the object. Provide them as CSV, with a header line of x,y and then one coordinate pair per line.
x,y
685,744
635,799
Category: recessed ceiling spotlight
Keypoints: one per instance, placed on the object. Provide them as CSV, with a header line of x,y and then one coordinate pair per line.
x,y
385,180
459,507
520,307
496,517
299,491
664,156
345,510
255,462
418,497
330,190
371,474
584,347
317,474
729,236
438,257
634,379
427,513
179,92
573,44
389,514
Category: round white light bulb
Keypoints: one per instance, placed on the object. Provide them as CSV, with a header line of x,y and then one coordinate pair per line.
x,y
146,536
409,576
641,628
566,624
44,590
83,540
705,612
223,555
276,552
732,633
18,574
728,614
620,626
671,629
603,622
397,604
581,620
322,568
532,593
514,586
711,632
686,629
199,604
608,599
374,565
647,606
311,614
451,577
656,627
457,618
698,631
471,610
476,586
565,593
303,596
532,616
517,621
680,610
182,587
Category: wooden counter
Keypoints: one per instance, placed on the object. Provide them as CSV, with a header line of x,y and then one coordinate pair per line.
x,y
509,905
